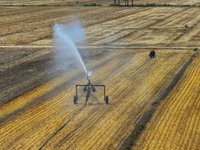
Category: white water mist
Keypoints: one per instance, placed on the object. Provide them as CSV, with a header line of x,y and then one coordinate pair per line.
x,y
65,39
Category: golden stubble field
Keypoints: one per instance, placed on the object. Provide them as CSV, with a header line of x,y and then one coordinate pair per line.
x,y
132,80
176,123
107,26
37,98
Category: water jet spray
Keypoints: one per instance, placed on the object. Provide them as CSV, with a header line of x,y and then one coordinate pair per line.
x,y
65,50
65,39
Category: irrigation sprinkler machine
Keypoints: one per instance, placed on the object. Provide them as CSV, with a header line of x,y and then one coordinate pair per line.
x,y
88,88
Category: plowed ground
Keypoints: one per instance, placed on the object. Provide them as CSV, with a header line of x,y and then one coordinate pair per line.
x,y
176,123
132,80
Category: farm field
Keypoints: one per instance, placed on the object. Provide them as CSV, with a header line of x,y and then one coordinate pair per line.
x,y
132,27
36,96
30,119
175,124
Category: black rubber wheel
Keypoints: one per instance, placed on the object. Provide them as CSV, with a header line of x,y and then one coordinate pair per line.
x,y
84,89
106,99
75,99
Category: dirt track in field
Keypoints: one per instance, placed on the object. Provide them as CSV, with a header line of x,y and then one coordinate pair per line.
x,y
175,124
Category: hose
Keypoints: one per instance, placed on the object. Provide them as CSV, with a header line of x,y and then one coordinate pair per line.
x,y
62,126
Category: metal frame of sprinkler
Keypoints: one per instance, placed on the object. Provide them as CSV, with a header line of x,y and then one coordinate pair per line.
x,y
88,88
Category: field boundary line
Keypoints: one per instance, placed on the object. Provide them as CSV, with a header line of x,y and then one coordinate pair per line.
x,y
104,47
142,120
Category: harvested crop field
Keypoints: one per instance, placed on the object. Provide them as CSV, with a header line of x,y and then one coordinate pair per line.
x,y
36,97
132,26
132,80
176,123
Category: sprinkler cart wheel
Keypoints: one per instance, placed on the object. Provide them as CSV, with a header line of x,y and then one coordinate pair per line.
x,y
85,89
106,99
93,90
75,99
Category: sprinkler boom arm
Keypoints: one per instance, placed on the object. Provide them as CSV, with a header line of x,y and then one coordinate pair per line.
x,y
97,85
88,88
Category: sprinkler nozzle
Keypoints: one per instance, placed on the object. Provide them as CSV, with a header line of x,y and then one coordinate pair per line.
x,y
88,78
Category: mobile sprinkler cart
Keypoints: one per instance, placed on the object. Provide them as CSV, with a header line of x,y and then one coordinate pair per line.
x,y
88,88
